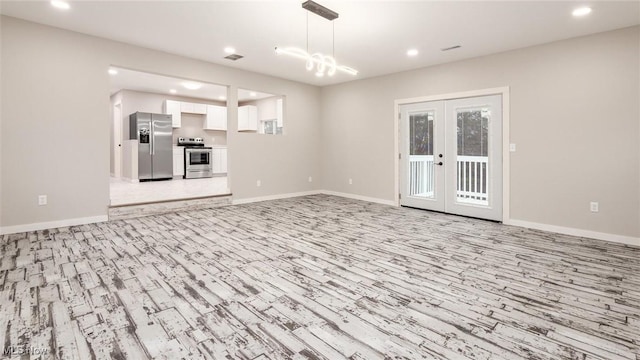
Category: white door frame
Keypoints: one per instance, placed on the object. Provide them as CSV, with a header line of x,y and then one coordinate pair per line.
x,y
504,91
117,139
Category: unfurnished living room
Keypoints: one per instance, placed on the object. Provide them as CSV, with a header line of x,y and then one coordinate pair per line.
x,y
320,179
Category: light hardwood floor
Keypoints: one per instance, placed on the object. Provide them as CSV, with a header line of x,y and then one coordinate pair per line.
x,y
317,277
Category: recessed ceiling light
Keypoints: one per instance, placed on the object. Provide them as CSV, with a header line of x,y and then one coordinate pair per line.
x,y
253,94
412,52
173,91
581,11
229,50
113,72
60,4
191,85
222,97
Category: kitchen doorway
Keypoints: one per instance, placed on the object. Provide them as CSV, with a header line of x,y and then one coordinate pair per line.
x,y
169,138
451,156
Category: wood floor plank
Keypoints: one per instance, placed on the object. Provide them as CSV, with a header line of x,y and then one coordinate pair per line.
x,y
317,277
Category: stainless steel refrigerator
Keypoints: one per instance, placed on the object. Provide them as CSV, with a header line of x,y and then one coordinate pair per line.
x,y
154,133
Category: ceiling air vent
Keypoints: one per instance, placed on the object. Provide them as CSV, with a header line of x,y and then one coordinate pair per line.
x,y
234,57
451,48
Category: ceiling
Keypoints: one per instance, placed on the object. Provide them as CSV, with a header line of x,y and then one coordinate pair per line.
x,y
160,84
146,82
370,36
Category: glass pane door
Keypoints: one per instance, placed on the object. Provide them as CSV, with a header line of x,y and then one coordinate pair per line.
x,y
474,157
422,135
451,156
421,178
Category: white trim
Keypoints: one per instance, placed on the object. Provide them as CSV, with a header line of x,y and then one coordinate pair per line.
x,y
504,91
273,197
359,197
506,156
628,240
314,192
52,224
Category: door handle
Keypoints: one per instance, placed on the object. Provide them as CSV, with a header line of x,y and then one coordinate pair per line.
x,y
152,140
439,163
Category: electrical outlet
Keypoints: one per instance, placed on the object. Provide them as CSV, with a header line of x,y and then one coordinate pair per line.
x,y
350,181
310,179
594,206
512,147
42,200
258,183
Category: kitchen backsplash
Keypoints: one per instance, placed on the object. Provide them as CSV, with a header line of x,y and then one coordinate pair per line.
x,y
191,126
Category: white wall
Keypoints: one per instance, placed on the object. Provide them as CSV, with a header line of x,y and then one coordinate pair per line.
x,y
575,117
55,93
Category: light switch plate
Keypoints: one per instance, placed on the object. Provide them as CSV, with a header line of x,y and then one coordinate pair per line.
x,y
512,147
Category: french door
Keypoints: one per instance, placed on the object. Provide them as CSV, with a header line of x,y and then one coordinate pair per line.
x,y
451,156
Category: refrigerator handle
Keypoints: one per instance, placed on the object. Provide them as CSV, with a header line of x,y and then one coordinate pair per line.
x,y
151,139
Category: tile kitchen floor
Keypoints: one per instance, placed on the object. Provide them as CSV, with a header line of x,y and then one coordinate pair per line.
x,y
124,192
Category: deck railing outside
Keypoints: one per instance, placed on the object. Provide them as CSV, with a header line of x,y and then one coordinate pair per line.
x,y
472,178
421,175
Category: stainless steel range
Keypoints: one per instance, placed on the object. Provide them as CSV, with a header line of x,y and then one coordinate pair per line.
x,y
197,158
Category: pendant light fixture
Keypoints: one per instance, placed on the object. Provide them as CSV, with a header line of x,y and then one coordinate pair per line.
x,y
322,63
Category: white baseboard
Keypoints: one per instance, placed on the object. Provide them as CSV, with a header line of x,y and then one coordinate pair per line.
x,y
273,197
52,224
313,192
358,197
628,240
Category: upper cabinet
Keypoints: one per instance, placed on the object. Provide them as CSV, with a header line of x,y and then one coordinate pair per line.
x,y
248,118
173,108
215,115
260,112
193,108
216,118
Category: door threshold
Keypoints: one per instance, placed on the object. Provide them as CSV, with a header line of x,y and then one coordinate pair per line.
x,y
446,213
171,200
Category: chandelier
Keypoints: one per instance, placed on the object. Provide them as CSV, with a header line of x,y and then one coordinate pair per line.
x,y
322,63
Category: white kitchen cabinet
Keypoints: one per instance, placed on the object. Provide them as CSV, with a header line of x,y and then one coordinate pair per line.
x,y
193,108
279,112
215,161
216,118
178,161
172,107
186,107
223,160
200,109
247,118
219,160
